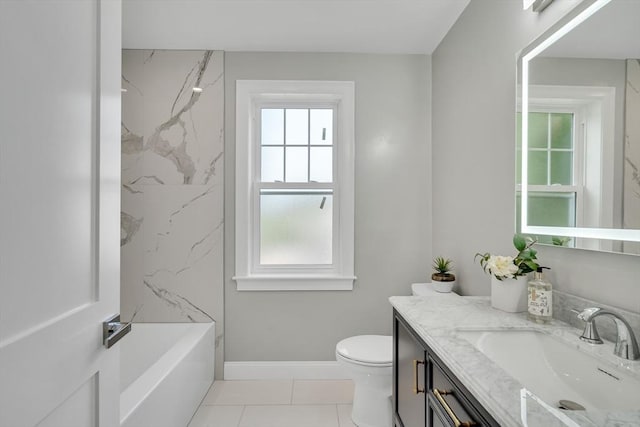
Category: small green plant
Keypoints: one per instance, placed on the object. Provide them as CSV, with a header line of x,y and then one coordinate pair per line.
x,y
560,241
442,265
442,270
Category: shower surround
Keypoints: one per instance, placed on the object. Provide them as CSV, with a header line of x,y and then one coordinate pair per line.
x,y
631,202
172,187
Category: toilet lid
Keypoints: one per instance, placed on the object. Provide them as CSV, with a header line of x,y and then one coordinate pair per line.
x,y
372,349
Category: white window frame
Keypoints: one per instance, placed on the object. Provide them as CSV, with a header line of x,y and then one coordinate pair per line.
x,y
251,96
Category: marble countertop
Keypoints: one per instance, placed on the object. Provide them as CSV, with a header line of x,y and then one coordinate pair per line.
x,y
438,318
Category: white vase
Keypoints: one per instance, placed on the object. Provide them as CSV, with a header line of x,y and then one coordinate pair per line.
x,y
509,295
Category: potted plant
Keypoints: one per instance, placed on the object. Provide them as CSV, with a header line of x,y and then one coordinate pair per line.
x,y
442,278
509,275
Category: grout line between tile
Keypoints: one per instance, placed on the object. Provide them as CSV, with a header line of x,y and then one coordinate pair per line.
x,y
244,407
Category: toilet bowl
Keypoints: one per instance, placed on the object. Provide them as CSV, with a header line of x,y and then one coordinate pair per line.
x,y
368,359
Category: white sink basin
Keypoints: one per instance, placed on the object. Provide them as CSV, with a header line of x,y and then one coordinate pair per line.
x,y
555,371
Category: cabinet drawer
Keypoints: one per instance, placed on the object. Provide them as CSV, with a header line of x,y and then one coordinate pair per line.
x,y
448,398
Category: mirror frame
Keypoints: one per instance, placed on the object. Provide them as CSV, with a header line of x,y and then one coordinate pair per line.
x,y
575,17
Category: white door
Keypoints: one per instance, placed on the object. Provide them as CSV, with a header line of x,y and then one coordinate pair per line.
x,y
59,211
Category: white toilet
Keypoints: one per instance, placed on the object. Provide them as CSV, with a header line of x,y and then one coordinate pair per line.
x,y
369,361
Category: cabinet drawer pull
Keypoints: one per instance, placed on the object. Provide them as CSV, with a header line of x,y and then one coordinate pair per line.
x,y
438,394
416,388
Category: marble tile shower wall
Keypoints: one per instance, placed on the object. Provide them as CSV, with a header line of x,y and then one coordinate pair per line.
x,y
631,202
172,186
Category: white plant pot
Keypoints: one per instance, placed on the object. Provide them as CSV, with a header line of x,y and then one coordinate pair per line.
x,y
443,287
509,295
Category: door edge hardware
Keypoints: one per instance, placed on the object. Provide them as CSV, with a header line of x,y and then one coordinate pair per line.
x,y
113,330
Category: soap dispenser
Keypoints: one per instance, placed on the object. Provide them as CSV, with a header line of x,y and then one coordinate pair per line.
x,y
540,298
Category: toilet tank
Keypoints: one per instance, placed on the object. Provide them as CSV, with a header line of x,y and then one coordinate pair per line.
x,y
426,289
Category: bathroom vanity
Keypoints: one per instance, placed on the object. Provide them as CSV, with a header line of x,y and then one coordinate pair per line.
x,y
450,370
426,393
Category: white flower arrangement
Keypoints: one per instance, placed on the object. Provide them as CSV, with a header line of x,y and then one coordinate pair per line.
x,y
506,267
501,266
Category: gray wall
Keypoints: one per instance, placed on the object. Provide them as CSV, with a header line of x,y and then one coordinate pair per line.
x,y
473,147
393,207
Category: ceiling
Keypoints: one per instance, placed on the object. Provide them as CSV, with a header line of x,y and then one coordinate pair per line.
x,y
367,26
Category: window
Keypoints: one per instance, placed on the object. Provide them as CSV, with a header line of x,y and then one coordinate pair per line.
x,y
569,164
294,185
554,168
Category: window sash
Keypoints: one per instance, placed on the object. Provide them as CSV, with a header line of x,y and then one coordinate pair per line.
x,y
257,145
552,188
299,188
577,141
576,190
296,189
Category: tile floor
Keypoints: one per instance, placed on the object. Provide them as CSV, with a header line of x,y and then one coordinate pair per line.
x,y
276,403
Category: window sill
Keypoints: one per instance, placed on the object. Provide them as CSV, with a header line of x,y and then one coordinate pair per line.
x,y
294,283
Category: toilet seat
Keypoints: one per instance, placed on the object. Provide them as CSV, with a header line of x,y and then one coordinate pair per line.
x,y
367,350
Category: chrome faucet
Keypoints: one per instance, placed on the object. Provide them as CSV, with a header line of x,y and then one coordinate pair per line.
x,y
626,343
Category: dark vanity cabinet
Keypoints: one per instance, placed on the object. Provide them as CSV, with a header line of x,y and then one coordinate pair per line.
x,y
409,362
425,392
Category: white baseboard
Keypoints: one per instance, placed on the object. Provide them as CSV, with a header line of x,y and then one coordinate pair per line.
x,y
284,370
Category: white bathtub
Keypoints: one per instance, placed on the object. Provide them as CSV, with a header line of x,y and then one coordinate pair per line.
x,y
165,371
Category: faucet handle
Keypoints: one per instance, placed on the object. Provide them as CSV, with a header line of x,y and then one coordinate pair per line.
x,y
590,333
587,314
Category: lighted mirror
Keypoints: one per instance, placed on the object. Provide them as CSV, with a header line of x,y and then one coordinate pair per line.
x,y
578,121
